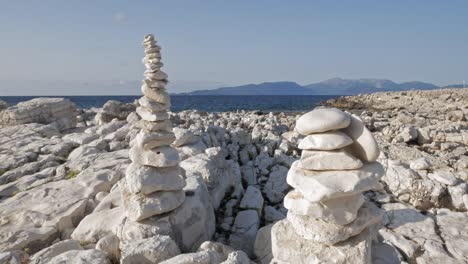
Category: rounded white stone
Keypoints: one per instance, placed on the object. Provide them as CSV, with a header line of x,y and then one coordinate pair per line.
x,y
149,139
327,233
149,115
146,179
159,75
153,106
154,84
164,125
148,37
157,157
364,147
325,141
153,56
153,49
140,206
323,185
322,120
328,160
156,95
340,211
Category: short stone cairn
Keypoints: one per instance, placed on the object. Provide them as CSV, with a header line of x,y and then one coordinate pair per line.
x,y
328,218
153,181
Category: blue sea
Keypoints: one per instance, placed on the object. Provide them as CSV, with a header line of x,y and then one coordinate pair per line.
x,y
207,103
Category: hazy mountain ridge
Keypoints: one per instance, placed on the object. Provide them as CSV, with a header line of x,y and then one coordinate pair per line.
x,y
335,86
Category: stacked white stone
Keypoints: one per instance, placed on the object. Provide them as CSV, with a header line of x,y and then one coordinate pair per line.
x,y
328,216
153,181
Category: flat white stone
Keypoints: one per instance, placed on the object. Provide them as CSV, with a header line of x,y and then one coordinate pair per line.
x,y
252,199
153,67
156,95
420,164
157,157
159,75
325,141
340,211
289,247
153,106
153,49
146,179
141,206
328,160
149,115
153,56
184,137
148,38
323,185
444,177
364,147
322,120
149,250
150,140
329,234
163,125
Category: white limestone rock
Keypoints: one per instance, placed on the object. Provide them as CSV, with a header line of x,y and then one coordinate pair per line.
x,y
163,125
219,174
322,185
252,199
148,115
157,96
140,206
149,250
146,179
98,225
409,222
289,247
262,245
90,256
325,141
322,120
244,231
153,106
444,177
157,157
340,211
420,164
184,137
110,245
193,222
59,112
276,186
15,256
364,147
454,231
329,234
44,256
328,160
150,140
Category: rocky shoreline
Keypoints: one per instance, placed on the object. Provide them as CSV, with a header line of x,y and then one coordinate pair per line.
x,y
61,172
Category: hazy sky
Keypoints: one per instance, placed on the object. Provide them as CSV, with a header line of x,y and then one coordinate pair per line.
x,y
232,42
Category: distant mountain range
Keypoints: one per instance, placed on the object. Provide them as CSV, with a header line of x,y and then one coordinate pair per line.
x,y
335,86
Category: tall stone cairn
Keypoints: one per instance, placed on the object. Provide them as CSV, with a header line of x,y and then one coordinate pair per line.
x,y
328,218
153,181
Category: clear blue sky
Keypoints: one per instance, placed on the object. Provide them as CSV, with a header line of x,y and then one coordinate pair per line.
x,y
234,42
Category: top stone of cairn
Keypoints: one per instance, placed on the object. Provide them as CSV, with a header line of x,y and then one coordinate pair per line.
x,y
322,120
342,130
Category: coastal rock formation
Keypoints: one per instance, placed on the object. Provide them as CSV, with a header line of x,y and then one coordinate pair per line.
x,y
113,109
154,182
58,112
328,219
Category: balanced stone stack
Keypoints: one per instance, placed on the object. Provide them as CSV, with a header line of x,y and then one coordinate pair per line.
x,y
328,219
154,181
